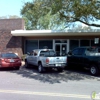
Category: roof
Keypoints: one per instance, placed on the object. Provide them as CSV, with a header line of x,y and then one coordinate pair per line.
x,y
51,33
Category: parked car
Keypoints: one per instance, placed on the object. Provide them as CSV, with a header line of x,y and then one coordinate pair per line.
x,y
9,60
45,58
85,57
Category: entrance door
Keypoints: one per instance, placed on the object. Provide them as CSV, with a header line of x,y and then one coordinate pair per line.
x,y
61,49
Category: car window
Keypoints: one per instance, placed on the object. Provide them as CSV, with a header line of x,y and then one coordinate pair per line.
x,y
47,53
75,52
91,50
81,51
78,51
9,55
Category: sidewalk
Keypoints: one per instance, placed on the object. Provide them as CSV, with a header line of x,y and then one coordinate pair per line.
x,y
23,63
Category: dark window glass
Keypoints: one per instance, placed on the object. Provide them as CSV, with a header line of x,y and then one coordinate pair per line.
x,y
75,52
74,44
9,55
47,53
81,51
57,49
84,42
93,43
31,45
45,44
60,41
78,51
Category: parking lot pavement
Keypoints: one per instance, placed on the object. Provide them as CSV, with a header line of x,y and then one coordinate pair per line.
x,y
55,76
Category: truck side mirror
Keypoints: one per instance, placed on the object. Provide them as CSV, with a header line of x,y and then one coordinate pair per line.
x,y
28,53
69,53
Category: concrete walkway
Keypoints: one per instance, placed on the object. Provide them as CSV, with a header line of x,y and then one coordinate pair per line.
x,y
23,63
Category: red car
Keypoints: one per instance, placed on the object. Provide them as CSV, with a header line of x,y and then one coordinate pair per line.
x,y
9,60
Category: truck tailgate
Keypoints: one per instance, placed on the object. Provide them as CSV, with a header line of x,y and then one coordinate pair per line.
x,y
54,60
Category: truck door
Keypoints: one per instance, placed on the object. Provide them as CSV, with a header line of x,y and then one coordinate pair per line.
x,y
74,58
31,57
35,57
81,56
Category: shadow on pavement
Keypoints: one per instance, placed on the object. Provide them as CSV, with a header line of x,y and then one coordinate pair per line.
x,y
54,76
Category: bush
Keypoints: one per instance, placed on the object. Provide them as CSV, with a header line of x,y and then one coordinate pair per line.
x,y
23,57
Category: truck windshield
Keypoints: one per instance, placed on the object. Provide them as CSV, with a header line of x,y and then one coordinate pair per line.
x,y
47,53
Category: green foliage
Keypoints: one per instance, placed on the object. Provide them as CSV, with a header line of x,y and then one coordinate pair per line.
x,y
54,14
42,14
84,11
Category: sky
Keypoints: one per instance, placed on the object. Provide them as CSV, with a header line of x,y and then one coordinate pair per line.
x,y
11,7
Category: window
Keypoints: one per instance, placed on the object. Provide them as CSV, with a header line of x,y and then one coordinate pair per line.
x,y
60,41
45,44
75,52
47,53
93,43
78,51
81,51
84,42
7,55
31,45
74,44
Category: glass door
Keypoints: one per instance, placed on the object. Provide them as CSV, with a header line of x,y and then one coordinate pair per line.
x,y
57,49
61,49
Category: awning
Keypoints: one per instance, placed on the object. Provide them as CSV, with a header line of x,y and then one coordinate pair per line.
x,y
51,33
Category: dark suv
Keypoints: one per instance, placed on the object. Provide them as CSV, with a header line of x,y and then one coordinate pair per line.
x,y
88,57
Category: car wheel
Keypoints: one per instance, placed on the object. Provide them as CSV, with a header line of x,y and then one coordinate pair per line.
x,y
60,69
40,68
94,70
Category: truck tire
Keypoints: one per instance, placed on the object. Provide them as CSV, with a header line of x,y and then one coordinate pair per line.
x,y
26,64
94,70
17,68
60,69
40,68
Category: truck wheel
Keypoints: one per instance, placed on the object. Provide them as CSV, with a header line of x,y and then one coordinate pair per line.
x,y
17,68
60,69
94,70
26,64
40,68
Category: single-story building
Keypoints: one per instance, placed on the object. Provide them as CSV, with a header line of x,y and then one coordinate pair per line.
x,y
14,38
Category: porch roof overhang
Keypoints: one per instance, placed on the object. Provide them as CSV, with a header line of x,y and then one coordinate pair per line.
x,y
48,33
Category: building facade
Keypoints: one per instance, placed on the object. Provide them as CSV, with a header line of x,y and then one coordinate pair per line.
x,y
9,43
61,42
14,38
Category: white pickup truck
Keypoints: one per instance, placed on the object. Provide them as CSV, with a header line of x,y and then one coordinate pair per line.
x,y
45,58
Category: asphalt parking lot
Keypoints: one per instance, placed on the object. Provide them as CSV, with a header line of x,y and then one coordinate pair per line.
x,y
72,84
53,76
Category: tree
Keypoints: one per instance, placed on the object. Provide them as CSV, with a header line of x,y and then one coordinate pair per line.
x,y
49,14
84,11
38,15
